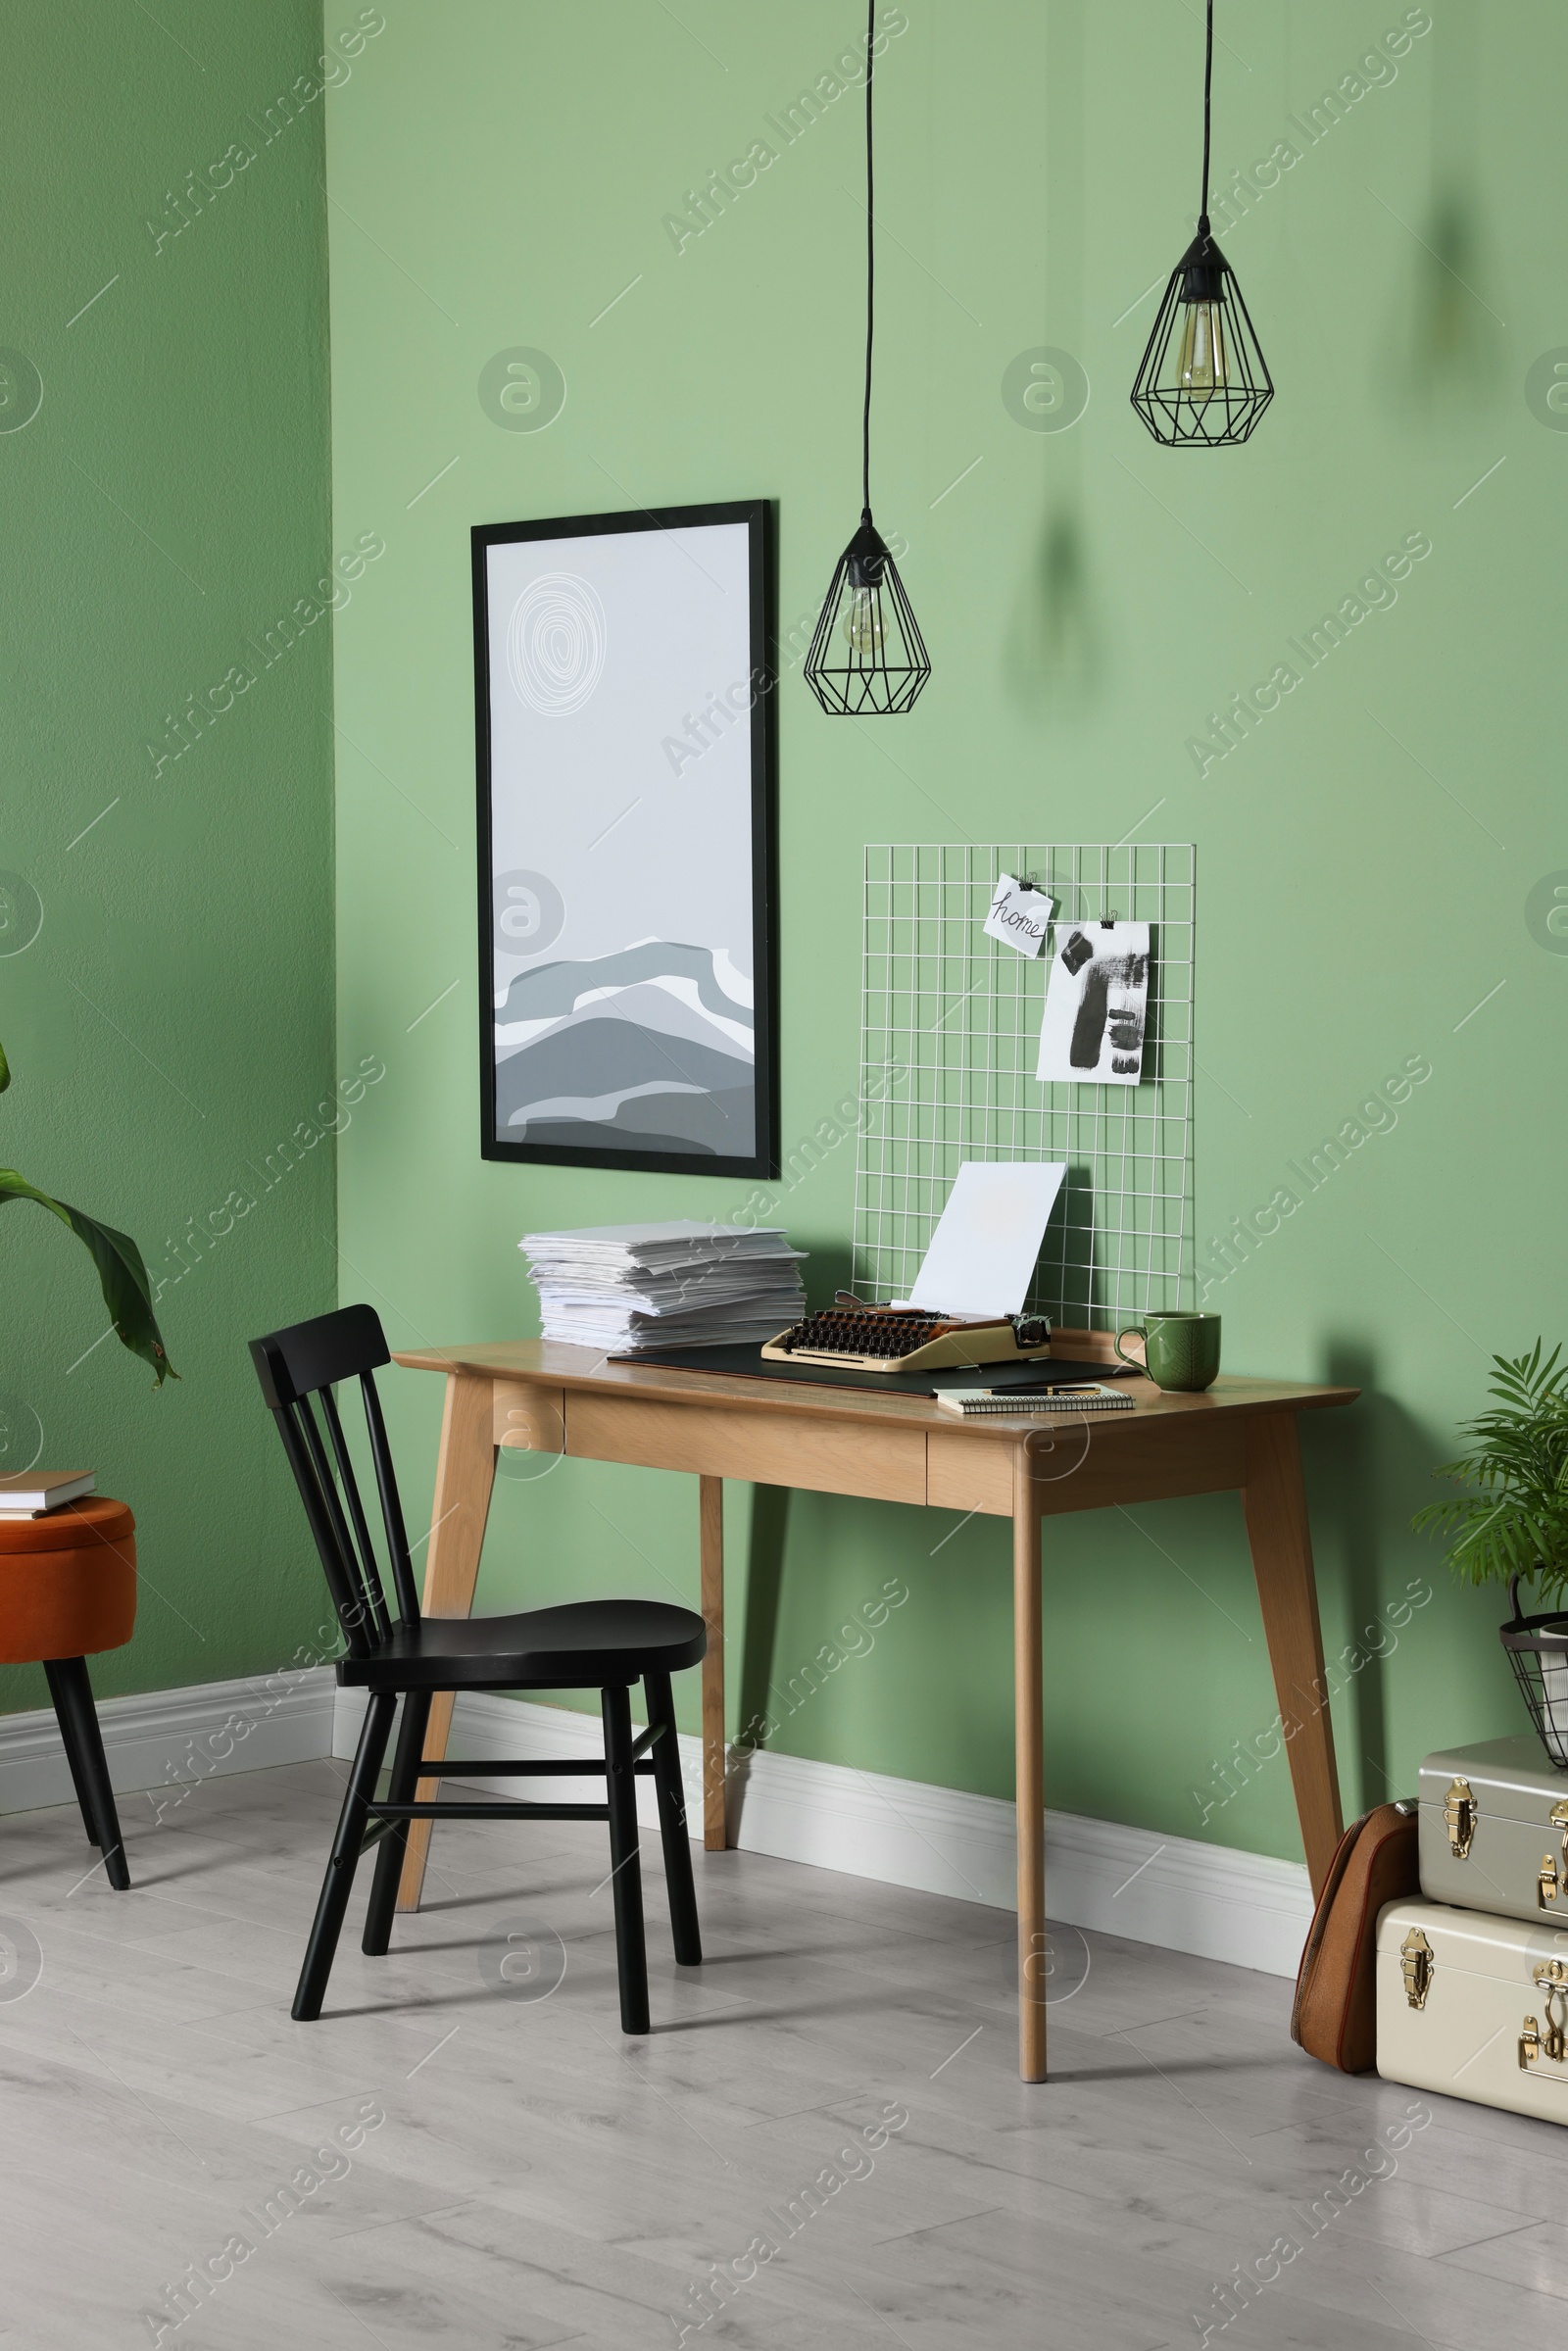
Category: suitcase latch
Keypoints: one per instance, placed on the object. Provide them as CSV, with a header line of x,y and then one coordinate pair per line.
x,y
1416,1967
1552,1980
1459,1818
1552,1877
1548,2040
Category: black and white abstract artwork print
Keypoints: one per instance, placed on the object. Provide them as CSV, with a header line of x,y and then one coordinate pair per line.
x,y
1097,1004
625,876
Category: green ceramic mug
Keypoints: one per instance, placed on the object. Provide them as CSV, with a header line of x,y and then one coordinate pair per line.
x,y
1180,1351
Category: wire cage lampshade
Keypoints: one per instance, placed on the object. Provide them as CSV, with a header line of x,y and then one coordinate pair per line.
x,y
866,653
867,657
1538,1651
1202,381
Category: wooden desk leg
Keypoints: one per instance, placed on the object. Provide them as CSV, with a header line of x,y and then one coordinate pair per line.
x,y
465,1472
1029,1777
711,1513
1275,1502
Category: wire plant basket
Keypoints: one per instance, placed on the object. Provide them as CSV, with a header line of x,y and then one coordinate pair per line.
x,y
1538,1651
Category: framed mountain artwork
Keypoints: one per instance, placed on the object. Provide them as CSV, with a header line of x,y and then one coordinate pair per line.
x,y
623,684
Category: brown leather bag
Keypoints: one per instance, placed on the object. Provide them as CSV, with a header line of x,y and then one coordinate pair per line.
x,y
1335,2016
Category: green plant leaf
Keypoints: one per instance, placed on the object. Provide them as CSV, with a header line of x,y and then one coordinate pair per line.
x,y
127,1294
1514,1519
5,1070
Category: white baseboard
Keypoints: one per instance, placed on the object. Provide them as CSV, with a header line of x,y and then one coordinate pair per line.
x,y
1185,1896
1247,1908
162,1737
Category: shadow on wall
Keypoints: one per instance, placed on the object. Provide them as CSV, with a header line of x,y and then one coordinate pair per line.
x,y
764,1578
1352,1447
1448,360
829,1269
1451,355
1371,1469
1053,658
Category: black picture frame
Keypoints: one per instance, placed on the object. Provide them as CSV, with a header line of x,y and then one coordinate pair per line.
x,y
762,1158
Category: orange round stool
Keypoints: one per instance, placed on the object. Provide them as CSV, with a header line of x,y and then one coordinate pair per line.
x,y
67,1589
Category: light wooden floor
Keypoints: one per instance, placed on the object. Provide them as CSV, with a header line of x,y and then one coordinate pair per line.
x,y
538,2180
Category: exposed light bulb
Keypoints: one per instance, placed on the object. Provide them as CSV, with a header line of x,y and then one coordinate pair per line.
x,y
863,625
1204,366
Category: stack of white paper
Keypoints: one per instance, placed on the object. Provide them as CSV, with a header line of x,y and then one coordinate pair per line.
x,y
632,1288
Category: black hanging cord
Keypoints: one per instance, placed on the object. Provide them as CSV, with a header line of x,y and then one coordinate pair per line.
x,y
870,269
1208,77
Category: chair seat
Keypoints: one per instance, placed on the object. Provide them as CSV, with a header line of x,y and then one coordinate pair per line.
x,y
585,1645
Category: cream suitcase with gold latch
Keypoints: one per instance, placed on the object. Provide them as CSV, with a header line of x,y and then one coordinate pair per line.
x,y
1474,2007
1494,1829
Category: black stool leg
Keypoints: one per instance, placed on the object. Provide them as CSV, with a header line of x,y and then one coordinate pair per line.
x,y
69,1742
405,1761
72,1692
334,1901
672,1823
631,1953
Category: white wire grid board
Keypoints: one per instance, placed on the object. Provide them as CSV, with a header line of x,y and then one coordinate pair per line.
x,y
950,1034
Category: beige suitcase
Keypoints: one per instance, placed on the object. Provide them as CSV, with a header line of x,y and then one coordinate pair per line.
x,y
1475,2007
1494,1829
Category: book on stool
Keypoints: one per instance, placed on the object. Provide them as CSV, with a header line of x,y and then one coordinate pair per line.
x,y
33,1494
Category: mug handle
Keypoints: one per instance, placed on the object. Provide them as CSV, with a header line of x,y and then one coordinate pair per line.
x,y
1134,1331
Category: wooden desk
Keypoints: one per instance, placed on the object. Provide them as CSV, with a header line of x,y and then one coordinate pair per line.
x,y
1241,1436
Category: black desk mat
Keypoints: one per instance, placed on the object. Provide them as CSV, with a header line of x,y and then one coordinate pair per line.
x,y
750,1363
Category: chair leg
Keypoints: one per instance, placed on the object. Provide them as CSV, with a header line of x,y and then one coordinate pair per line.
x,y
407,1758
72,1692
334,1901
672,1823
631,1953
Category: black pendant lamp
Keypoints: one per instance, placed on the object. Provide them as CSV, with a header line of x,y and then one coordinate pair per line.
x,y
867,655
1202,382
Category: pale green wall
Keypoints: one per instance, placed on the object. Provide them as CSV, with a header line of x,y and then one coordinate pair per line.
x,y
170,1024
500,174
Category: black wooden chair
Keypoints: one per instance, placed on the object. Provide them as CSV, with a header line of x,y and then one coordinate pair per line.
x,y
586,1644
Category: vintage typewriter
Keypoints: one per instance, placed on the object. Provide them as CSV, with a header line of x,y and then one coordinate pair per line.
x,y
855,1337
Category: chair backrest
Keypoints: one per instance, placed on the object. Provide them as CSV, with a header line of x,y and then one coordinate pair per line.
x,y
298,1369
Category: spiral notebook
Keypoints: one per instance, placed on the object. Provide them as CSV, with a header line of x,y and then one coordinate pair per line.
x,y
975,1402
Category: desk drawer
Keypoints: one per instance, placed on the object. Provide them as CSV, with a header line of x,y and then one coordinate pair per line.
x,y
967,1471
1087,1464
527,1417
764,1447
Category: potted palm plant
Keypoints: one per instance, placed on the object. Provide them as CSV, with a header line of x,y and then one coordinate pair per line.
x,y
121,1274
1511,1523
